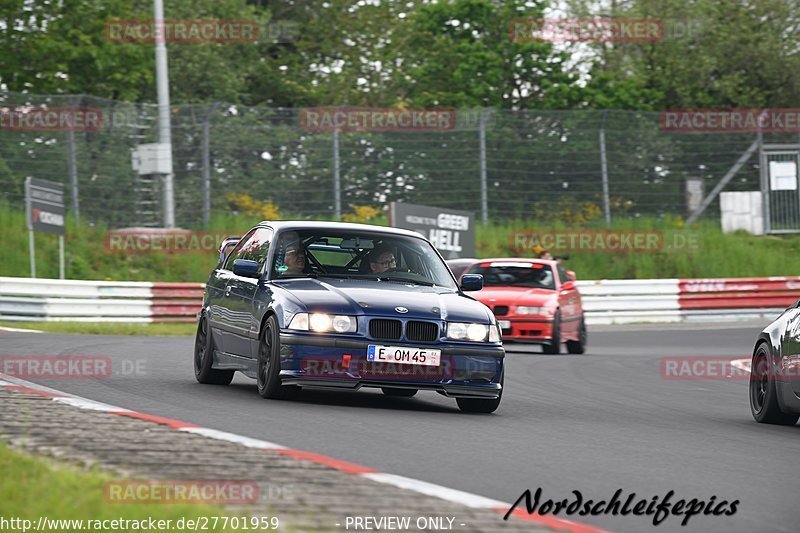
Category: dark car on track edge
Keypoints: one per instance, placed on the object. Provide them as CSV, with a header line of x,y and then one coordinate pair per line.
x,y
331,321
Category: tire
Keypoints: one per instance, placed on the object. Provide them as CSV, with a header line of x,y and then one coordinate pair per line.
x,y
477,405
204,358
400,393
269,366
554,346
579,346
763,390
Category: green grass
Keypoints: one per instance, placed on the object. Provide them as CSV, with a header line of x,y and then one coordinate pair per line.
x,y
106,328
716,255
719,255
33,487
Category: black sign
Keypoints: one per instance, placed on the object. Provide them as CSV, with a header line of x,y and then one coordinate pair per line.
x,y
44,204
451,232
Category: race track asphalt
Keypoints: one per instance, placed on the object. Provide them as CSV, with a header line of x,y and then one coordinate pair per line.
x,y
592,423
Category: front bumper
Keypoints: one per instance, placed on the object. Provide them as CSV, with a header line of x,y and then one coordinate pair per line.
x,y
538,330
319,361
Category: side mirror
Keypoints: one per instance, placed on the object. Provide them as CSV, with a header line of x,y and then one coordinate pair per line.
x,y
571,274
471,282
568,286
245,268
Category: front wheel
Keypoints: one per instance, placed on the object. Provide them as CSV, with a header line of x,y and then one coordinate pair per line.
x,y
578,346
479,405
475,405
554,346
269,364
763,391
204,358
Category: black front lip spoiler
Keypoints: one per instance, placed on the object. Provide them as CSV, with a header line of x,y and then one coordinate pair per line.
x,y
349,344
487,391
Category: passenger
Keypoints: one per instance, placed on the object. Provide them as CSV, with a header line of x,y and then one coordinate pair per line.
x,y
381,259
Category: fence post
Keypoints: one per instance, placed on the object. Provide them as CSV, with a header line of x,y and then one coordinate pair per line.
x,y
72,166
484,192
604,168
207,166
337,183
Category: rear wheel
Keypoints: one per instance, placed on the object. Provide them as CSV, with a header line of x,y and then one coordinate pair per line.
x,y
554,346
401,393
204,358
578,346
763,390
269,365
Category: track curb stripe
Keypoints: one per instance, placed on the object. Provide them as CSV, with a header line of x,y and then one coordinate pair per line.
x,y
169,422
421,487
336,464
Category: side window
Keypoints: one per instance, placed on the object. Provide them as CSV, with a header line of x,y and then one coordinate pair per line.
x,y
257,247
562,274
237,252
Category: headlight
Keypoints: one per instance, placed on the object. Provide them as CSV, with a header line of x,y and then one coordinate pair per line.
x,y
344,324
527,310
461,331
494,333
321,323
299,321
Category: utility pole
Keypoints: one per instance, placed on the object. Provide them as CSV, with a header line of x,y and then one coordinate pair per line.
x,y
164,127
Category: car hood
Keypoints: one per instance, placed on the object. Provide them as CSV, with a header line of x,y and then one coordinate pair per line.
x,y
514,296
380,298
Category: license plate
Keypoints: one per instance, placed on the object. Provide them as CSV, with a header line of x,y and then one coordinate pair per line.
x,y
504,324
403,355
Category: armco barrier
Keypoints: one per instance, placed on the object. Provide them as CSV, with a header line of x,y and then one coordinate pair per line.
x,y
687,300
25,299
605,301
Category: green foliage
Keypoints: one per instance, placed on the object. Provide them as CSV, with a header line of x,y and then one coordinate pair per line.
x,y
88,259
713,55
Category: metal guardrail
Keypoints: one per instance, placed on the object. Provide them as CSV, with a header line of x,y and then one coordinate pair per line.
x,y
25,299
605,301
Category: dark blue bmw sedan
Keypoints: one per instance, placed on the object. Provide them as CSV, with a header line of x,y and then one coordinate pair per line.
x,y
345,306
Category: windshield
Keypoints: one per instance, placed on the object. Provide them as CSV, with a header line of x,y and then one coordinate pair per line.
x,y
359,255
512,274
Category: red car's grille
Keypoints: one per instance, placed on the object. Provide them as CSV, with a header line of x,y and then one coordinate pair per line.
x,y
500,310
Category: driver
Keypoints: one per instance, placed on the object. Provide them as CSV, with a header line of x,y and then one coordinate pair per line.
x,y
294,255
382,259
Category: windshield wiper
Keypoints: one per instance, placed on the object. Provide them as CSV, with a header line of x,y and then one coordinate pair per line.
x,y
406,280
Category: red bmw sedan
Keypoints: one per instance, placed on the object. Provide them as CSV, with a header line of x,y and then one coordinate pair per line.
x,y
535,301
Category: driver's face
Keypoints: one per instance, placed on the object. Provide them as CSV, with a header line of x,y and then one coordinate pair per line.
x,y
295,259
384,262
